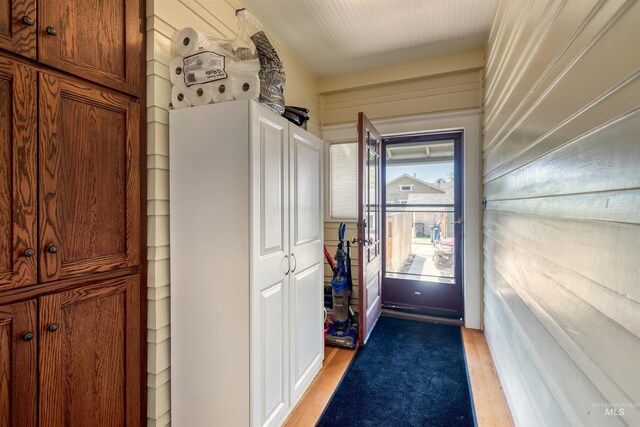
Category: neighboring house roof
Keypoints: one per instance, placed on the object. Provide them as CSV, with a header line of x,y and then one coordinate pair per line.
x,y
418,180
444,198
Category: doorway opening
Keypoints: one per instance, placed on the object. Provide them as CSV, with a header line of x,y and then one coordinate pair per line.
x,y
422,223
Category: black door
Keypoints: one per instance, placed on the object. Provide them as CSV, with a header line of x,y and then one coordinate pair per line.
x,y
422,223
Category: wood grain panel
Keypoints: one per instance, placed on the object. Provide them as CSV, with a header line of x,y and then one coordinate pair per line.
x,y
18,362
89,366
16,35
17,175
96,39
89,181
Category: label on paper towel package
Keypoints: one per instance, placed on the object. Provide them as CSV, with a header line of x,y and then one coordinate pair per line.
x,y
203,67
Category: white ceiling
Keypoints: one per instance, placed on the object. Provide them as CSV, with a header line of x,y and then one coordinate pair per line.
x,y
335,37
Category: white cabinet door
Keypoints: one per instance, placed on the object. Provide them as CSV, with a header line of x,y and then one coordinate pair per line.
x,y
270,267
307,268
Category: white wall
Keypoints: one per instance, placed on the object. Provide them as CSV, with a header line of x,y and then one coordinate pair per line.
x,y
562,224
164,17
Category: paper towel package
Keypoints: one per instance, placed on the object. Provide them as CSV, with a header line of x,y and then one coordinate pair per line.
x,y
207,70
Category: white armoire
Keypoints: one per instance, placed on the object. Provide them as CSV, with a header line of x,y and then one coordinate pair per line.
x,y
246,227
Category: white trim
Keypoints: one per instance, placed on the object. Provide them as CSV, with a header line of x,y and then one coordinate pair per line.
x,y
470,122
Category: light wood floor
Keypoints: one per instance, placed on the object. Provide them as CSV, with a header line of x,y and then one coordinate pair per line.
x,y
488,397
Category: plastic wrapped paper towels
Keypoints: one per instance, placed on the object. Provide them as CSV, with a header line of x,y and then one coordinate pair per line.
x,y
207,69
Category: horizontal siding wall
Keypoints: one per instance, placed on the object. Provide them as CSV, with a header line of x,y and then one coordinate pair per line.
x,y
164,18
562,221
435,86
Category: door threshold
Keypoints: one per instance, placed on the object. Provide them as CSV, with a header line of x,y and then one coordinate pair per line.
x,y
420,317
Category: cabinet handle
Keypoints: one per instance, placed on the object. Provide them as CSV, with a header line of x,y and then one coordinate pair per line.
x,y
52,249
28,336
286,258
53,327
51,31
27,20
29,252
295,262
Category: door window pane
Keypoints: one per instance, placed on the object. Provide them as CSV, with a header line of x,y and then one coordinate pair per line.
x,y
343,161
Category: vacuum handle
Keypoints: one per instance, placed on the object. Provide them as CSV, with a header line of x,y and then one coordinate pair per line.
x,y
341,231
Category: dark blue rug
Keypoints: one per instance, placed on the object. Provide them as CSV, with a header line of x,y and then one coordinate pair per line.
x,y
409,374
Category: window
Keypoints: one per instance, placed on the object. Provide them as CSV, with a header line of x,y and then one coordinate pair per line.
x,y
406,187
343,175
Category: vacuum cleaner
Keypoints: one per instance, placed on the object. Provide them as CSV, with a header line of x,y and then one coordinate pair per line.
x,y
342,332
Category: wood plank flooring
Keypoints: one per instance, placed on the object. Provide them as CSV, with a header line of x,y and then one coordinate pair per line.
x,y
490,404
488,397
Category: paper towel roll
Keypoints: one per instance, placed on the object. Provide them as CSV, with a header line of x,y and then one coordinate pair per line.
x,y
176,71
190,41
245,86
179,97
222,90
200,94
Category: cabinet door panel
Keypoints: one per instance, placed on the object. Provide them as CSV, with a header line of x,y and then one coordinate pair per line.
x,y
89,179
306,237
269,266
17,175
99,40
16,34
306,322
18,364
90,365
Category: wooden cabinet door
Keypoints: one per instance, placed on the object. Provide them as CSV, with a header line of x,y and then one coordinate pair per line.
x,y
18,363
89,179
270,266
90,355
307,262
18,145
99,40
18,27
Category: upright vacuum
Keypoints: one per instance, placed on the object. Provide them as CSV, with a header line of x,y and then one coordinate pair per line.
x,y
342,332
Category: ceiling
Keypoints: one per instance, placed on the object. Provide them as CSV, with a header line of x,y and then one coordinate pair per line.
x,y
335,37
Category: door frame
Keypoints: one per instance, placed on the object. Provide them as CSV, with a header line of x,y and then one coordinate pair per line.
x,y
471,122
458,136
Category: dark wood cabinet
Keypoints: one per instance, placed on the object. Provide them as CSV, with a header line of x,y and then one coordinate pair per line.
x,y
18,364
18,171
93,39
90,355
89,179
18,27
72,279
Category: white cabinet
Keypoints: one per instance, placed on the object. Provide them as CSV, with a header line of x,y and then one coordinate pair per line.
x,y
246,264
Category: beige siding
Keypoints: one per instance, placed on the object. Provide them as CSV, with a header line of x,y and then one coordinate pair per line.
x,y
164,17
451,83
562,223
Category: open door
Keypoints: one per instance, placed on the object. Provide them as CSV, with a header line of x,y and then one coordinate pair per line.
x,y
369,226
